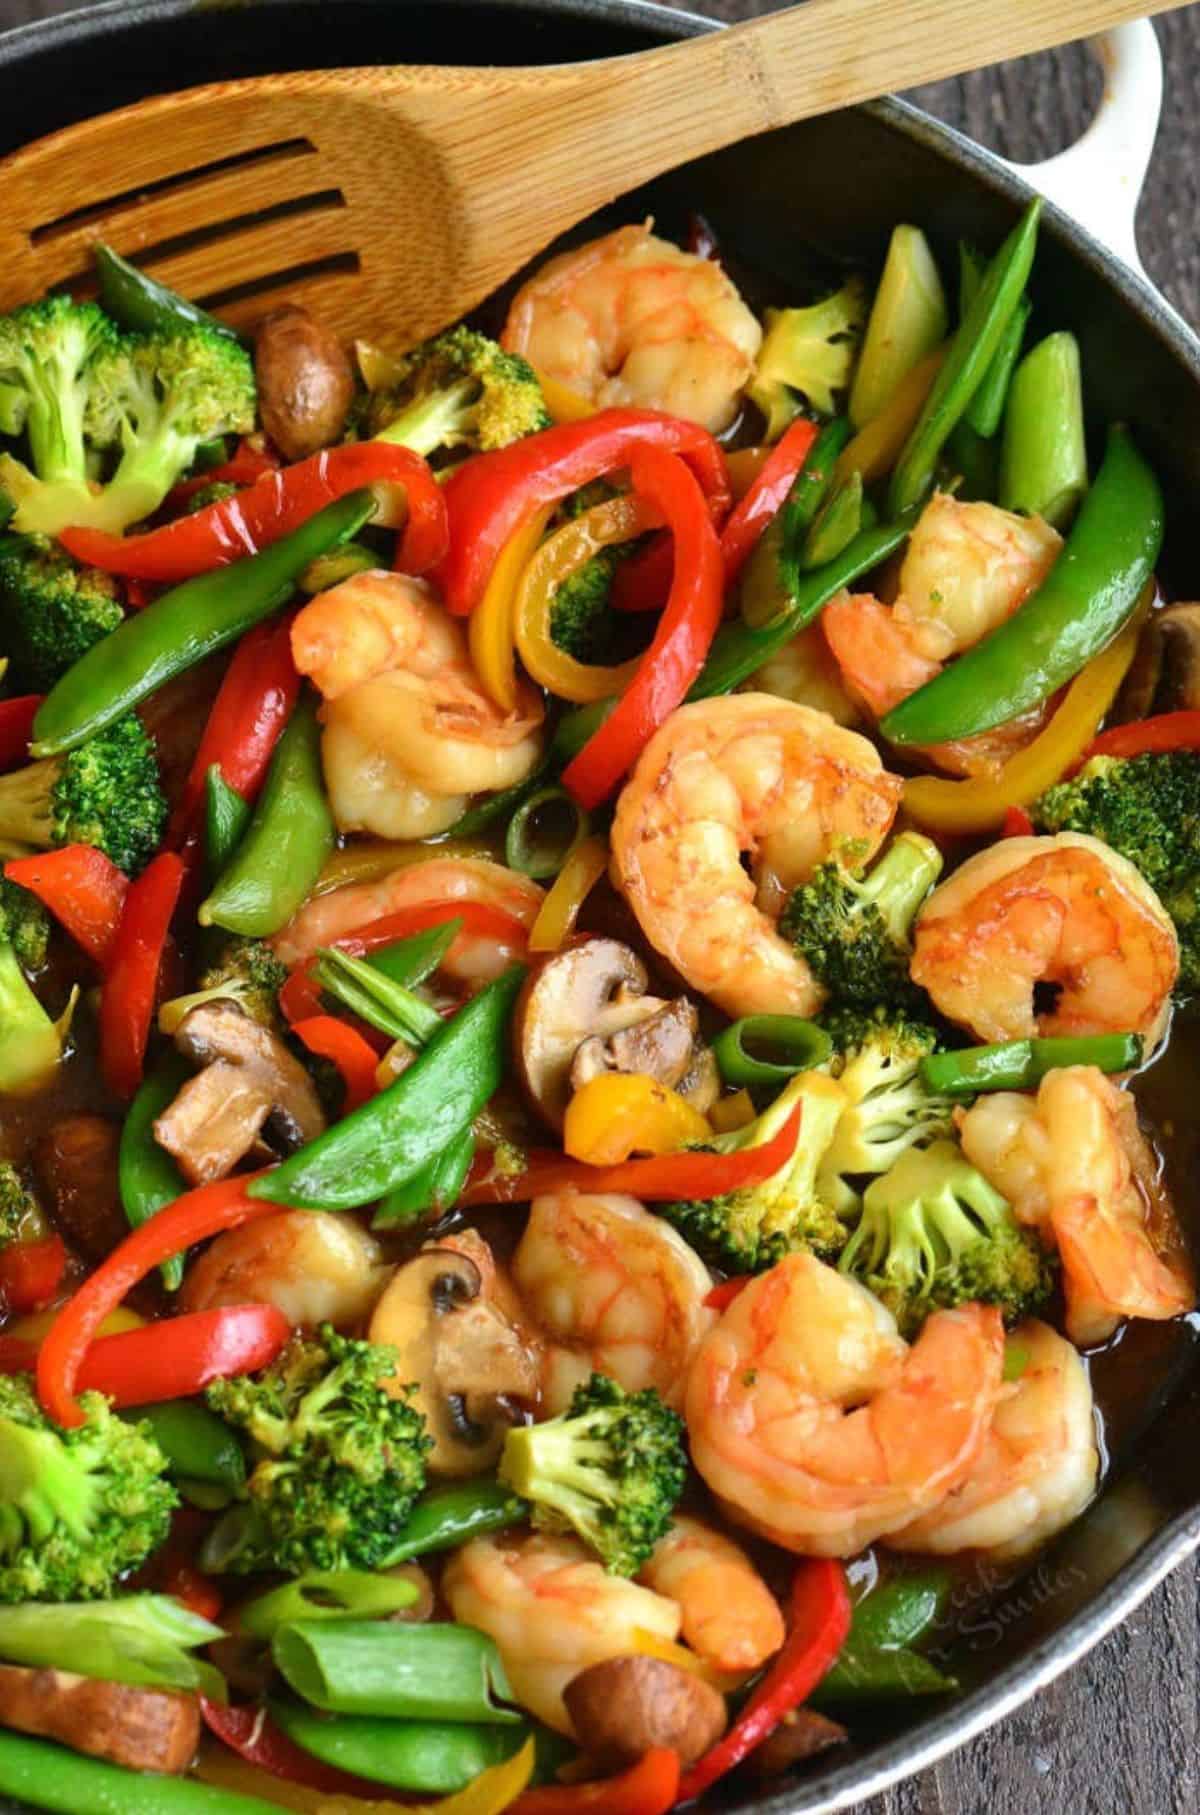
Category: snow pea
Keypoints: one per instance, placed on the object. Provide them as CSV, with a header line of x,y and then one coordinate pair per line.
x,y
449,1516
139,302
198,1445
226,816
877,1661
183,626
431,1756
862,1674
46,1776
436,1187
147,1176
285,846
986,407
1085,599
772,574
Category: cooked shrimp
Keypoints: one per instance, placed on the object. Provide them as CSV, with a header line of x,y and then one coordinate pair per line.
x,y
744,774
473,958
805,671
730,1617
552,1610
316,1269
818,1427
1038,1465
631,319
614,1289
366,625
1064,911
1075,1163
371,792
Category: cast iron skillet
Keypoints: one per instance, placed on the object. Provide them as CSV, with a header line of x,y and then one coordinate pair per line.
x,y
836,185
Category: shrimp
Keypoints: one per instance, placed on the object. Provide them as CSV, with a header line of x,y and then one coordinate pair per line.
x,y
730,1617
747,773
1075,1163
632,319
316,1269
1039,1462
473,958
371,792
818,1427
615,1290
553,1610
804,671
1064,911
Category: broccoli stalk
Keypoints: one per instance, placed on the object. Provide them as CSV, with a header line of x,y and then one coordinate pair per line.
x,y
106,793
458,390
53,609
888,1110
853,932
246,972
79,1508
933,1234
611,1469
808,355
749,1229
31,1044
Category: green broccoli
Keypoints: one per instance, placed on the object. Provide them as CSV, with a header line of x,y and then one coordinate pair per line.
x,y
581,618
106,792
79,1509
338,1458
808,355
611,1468
749,1229
1147,808
19,1212
853,932
52,609
31,1043
49,351
26,924
245,971
215,492
933,1234
459,390
888,1110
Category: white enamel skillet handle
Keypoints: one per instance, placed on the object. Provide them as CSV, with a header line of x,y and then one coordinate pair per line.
x,y
1098,180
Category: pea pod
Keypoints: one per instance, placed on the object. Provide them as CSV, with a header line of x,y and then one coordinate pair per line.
x,y
893,1674
901,1610
986,407
285,846
771,575
45,1776
1043,465
835,525
433,1757
435,1188
142,304
183,627
226,816
147,1176
1085,599
450,1516
198,1445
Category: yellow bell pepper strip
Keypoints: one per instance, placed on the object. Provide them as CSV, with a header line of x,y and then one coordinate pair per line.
x,y
648,1644
743,467
546,568
618,1114
728,1113
490,625
564,404
877,446
560,910
369,859
979,805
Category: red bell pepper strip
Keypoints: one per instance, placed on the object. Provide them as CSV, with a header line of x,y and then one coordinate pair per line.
x,y
681,641
658,1180
173,1359
16,728
648,1788
253,1736
332,1039
271,508
197,1592
722,1296
248,716
766,496
82,888
1017,823
131,975
191,1218
248,464
819,1621
491,496
1169,731
31,1273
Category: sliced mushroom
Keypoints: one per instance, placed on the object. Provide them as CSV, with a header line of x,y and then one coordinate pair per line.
x,y
305,382
142,1729
624,1707
249,1081
467,1361
665,1045
1165,676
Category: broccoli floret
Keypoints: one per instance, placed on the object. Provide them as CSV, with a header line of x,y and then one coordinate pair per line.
x,y
53,609
933,1234
338,1459
1147,808
888,1110
106,793
853,932
31,1043
49,352
246,972
581,621
808,355
215,492
25,923
18,1207
749,1229
611,1468
459,390
79,1508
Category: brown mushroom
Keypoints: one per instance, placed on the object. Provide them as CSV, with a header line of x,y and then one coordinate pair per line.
x,y
75,1163
249,1081
1165,676
626,1705
142,1729
305,382
801,1734
468,1362
585,1011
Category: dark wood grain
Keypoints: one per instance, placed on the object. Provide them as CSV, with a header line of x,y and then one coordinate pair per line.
x,y
1121,1732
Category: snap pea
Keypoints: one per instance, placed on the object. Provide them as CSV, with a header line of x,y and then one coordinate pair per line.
x,y
386,1142
285,846
901,1610
409,961
198,1445
183,626
865,1675
226,816
434,1757
804,1042
46,1776
1022,1064
877,1661
141,303
448,1517
836,523
971,352
971,464
1085,599
435,1188
986,407
1043,462
772,573
147,1177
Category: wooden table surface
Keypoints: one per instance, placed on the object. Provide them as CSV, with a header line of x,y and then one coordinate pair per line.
x,y
1119,1733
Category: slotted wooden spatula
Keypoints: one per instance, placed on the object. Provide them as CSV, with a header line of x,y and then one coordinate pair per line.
x,y
397,198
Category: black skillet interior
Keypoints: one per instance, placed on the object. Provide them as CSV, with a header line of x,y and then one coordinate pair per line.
x,y
825,193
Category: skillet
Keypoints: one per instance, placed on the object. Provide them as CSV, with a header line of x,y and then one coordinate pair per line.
x,y
828,189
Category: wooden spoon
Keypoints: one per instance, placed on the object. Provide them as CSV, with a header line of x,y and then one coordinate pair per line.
x,y
397,198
